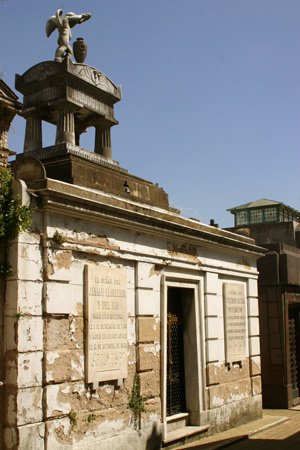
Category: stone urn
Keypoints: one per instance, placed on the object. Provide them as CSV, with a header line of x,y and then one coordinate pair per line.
x,y
80,50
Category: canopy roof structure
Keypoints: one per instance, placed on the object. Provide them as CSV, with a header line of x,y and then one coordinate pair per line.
x,y
262,203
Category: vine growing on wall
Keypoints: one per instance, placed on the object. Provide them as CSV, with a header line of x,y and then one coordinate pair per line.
x,y
136,401
14,217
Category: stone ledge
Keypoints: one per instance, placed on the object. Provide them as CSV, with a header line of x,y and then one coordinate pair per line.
x,y
183,433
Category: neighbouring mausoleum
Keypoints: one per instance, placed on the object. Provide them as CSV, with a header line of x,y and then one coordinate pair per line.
x,y
276,227
111,286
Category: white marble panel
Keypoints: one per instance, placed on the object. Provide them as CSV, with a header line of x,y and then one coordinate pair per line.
x,y
211,284
64,298
252,287
148,302
253,323
254,346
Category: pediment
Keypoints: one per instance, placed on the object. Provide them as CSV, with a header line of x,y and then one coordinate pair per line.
x,y
8,99
6,92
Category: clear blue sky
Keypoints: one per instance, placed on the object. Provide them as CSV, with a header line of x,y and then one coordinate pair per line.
x,y
211,92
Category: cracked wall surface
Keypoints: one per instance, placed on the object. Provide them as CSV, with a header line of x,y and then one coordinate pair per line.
x,y
48,403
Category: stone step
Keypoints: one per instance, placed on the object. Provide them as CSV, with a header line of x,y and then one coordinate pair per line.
x,y
183,434
176,421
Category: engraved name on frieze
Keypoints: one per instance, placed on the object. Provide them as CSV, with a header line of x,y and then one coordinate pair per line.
x,y
106,318
234,322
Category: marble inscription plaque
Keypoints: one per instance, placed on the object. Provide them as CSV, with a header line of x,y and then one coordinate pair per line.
x,y
106,323
234,322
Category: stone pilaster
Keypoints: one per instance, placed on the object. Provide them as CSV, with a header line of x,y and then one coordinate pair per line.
x,y
33,134
65,126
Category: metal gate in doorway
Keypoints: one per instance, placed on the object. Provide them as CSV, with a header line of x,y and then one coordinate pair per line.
x,y
175,353
294,335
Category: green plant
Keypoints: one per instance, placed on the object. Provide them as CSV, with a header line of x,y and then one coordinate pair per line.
x,y
91,417
6,270
58,238
18,315
73,418
14,217
136,401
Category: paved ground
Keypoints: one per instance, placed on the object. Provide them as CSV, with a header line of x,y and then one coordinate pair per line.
x,y
278,429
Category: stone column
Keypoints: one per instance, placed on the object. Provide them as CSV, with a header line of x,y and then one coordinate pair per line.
x,y
79,130
33,134
102,139
65,131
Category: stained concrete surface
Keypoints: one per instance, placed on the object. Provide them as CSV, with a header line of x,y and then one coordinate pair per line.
x,y
278,429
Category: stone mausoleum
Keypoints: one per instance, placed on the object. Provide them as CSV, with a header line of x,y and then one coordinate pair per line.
x,y
112,285
276,227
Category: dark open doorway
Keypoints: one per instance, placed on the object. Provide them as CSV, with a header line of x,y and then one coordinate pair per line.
x,y
175,353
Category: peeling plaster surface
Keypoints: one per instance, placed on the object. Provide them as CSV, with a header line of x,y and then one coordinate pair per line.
x,y
49,288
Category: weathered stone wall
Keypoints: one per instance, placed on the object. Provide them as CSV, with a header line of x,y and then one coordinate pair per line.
x,y
48,403
228,385
47,399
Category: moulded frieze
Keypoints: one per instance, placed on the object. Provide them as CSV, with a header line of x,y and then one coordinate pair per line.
x,y
90,102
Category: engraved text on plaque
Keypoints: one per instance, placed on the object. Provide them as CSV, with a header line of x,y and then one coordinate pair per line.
x,y
235,322
106,323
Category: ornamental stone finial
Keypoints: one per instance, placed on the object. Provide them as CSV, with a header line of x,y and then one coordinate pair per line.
x,y
64,25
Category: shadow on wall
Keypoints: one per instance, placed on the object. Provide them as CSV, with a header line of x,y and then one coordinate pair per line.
x,y
154,441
